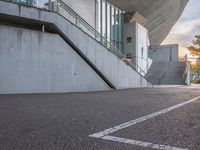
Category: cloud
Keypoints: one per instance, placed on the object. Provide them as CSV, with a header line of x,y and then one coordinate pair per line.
x,y
187,27
183,33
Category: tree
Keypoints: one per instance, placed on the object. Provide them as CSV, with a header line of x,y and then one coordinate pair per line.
x,y
195,73
195,48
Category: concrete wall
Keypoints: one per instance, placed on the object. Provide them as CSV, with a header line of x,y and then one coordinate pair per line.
x,y
142,44
164,52
138,47
120,74
130,39
84,8
117,71
36,62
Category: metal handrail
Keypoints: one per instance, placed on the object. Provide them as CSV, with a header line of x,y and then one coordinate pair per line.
x,y
94,33
102,39
186,73
78,17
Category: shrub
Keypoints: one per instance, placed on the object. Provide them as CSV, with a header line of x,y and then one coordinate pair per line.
x,y
196,81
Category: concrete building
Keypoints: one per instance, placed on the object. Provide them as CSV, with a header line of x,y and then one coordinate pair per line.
x,y
167,68
80,45
152,20
161,15
164,52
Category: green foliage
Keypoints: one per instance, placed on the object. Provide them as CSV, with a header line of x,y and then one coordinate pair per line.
x,y
196,81
197,41
195,70
195,48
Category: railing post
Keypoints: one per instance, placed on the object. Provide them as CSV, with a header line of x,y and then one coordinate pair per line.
x,y
76,22
49,5
43,28
57,6
188,73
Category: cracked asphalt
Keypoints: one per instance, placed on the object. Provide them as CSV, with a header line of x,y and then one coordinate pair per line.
x,y
65,121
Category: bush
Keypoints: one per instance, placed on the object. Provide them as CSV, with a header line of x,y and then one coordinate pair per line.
x,y
196,81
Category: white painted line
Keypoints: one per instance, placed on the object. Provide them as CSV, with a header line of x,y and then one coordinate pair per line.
x,y
142,119
105,134
140,143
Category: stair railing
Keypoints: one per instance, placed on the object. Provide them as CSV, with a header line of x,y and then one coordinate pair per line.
x,y
61,8
72,16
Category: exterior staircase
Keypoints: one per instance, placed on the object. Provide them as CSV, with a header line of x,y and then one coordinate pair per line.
x,y
167,73
104,59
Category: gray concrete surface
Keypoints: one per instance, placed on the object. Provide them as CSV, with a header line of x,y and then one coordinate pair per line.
x,y
175,73
167,73
156,72
36,62
64,121
179,128
164,52
85,8
137,47
166,67
120,74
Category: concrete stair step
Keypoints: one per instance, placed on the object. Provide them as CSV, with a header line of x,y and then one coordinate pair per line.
x,y
166,73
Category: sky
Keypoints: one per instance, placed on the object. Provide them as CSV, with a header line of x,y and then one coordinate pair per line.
x,y
186,27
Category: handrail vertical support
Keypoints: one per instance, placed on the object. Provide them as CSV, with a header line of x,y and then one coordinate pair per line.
x,y
43,28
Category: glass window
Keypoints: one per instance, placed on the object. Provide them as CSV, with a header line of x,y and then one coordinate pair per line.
x,y
98,6
108,22
27,2
103,18
113,25
117,28
120,31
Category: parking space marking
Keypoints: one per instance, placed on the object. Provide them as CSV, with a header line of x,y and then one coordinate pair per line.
x,y
105,133
140,143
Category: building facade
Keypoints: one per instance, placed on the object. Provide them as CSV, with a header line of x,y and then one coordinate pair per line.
x,y
161,15
109,22
107,16
79,45
116,20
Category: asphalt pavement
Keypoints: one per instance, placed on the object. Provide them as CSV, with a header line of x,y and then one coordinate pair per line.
x,y
65,121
